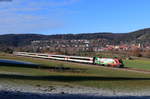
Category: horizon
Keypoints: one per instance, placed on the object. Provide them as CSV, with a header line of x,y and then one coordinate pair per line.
x,y
73,16
72,33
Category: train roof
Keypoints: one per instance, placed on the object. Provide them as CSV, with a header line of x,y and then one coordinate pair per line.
x,y
71,56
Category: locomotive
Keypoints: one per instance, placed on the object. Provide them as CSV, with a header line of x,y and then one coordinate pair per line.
x,y
112,62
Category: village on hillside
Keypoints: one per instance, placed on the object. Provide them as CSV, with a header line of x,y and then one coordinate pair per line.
x,y
85,45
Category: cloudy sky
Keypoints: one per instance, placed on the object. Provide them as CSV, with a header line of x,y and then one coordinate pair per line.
x,y
73,16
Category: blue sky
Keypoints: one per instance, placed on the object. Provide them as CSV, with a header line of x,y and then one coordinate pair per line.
x,y
73,16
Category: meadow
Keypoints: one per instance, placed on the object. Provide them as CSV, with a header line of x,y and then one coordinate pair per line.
x,y
141,63
52,72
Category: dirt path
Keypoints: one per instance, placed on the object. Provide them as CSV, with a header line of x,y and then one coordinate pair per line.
x,y
8,88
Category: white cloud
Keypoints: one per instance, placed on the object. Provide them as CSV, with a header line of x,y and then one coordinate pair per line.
x,y
24,16
52,3
27,24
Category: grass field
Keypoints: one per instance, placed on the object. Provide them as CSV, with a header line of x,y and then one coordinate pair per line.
x,y
52,72
138,63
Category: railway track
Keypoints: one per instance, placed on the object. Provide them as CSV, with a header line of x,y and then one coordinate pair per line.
x,y
130,69
137,70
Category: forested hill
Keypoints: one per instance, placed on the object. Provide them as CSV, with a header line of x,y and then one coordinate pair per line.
x,y
142,36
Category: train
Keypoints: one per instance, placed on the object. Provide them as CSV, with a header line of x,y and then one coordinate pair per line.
x,y
111,62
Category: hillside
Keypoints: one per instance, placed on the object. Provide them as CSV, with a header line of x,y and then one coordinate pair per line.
x,y
142,36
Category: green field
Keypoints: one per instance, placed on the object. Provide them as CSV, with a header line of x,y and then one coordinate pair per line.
x,y
138,63
52,72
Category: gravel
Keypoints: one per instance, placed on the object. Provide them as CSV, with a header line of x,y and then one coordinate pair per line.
x,y
15,91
